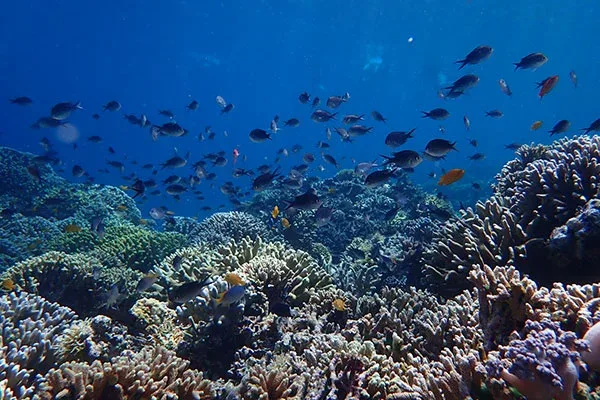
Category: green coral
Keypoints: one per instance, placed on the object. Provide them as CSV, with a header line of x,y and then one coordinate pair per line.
x,y
136,247
74,242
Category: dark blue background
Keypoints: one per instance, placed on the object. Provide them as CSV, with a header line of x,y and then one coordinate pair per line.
x,y
151,55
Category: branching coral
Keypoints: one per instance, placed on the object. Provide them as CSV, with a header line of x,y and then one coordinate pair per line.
x,y
151,373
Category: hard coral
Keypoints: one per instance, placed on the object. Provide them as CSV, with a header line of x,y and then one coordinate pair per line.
x,y
151,373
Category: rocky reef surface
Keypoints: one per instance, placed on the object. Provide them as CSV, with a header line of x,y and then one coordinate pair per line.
x,y
396,297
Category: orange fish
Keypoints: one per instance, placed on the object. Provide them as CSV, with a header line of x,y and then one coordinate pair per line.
x,y
536,125
234,279
547,85
8,284
451,176
339,305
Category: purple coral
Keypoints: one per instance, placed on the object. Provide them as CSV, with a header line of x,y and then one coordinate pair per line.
x,y
543,364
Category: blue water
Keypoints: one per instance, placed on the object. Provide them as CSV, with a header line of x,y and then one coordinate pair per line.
x,y
152,55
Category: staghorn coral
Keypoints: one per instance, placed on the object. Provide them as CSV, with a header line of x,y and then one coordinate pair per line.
x,y
154,372
29,327
78,281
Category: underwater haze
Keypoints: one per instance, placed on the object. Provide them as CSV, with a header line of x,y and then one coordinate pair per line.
x,y
286,200
151,56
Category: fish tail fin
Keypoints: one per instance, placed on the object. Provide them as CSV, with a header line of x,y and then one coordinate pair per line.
x,y
410,133
332,116
425,114
517,66
462,63
78,105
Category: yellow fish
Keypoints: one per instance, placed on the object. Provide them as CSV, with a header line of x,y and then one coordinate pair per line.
x,y
234,279
339,305
536,125
275,212
72,228
331,190
8,284
124,187
285,223
122,207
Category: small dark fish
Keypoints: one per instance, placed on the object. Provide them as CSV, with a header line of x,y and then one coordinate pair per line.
x,y
328,158
561,126
323,215
132,119
377,116
531,61
117,164
169,129
494,114
97,227
359,130
111,150
174,162
175,189
476,186
352,119
77,171
477,55
322,116
62,111
438,114
573,77
177,261
158,213
323,145
21,101
364,167
504,87
112,105
263,181
439,147
472,142
378,178
167,113
594,127
281,310
188,291
259,135
304,98
391,214
172,179
146,282
306,201
35,173
293,122
138,187
513,146
238,172
477,157
398,138
227,109
96,116
336,101
467,122
95,139
316,102
463,84
193,106
404,159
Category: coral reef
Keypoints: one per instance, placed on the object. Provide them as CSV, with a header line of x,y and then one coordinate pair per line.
x,y
220,228
522,223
